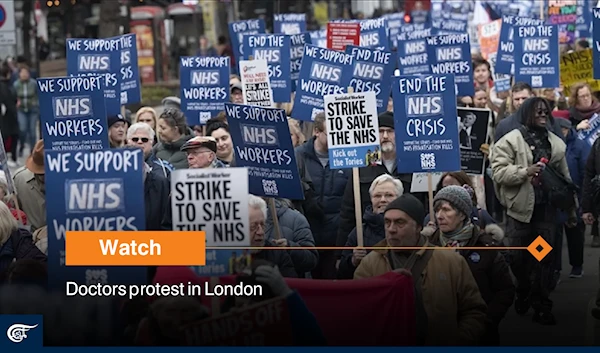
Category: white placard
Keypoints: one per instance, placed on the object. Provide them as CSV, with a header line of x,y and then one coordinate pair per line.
x,y
256,86
8,35
352,129
419,181
214,200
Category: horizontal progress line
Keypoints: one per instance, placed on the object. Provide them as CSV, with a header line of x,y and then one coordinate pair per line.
x,y
362,247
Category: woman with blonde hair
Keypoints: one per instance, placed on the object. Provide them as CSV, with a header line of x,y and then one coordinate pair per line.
x,y
298,137
15,243
149,116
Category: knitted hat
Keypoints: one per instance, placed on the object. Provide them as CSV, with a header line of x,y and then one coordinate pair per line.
x,y
115,119
409,205
457,196
386,119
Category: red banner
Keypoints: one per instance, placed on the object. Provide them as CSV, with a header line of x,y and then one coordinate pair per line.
x,y
339,35
263,324
378,311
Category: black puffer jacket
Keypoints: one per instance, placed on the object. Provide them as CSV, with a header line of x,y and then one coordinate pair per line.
x,y
373,233
157,202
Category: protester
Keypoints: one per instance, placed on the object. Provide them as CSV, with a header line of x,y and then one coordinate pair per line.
x,y
478,215
173,134
257,209
205,49
117,128
201,153
15,243
220,132
384,189
577,156
582,44
453,206
520,92
147,115
27,108
295,132
515,162
294,232
324,189
457,318
171,102
141,135
8,199
236,93
9,124
387,165
583,105
30,187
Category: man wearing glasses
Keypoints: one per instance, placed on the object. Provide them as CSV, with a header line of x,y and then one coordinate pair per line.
x,y
202,153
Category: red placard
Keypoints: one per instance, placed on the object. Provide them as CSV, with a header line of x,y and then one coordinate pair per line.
x,y
339,35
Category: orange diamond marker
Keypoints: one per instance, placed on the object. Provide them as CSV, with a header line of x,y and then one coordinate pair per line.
x,y
539,242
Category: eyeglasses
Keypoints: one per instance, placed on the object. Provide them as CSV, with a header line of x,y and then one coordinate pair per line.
x,y
254,226
136,139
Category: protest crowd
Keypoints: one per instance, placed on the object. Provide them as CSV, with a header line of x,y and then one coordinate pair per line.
x,y
421,237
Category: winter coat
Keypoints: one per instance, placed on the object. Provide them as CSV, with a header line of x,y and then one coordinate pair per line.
x,y
172,153
592,168
456,312
295,228
160,166
513,122
373,233
157,202
9,122
577,156
322,204
366,176
19,246
279,258
490,270
510,157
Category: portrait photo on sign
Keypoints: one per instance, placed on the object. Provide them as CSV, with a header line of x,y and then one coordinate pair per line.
x,y
472,133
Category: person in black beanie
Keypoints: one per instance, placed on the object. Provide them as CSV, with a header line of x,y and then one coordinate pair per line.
x,y
449,306
386,164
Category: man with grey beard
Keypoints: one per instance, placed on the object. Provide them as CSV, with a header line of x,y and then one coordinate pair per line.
x,y
386,163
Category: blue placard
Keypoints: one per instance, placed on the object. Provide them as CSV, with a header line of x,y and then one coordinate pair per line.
x,y
323,71
419,16
448,26
412,52
262,143
319,38
296,53
131,89
505,58
289,23
372,71
596,42
91,57
217,263
503,84
21,333
374,34
93,191
451,54
394,22
72,113
237,30
275,49
204,85
590,135
426,124
536,56
584,19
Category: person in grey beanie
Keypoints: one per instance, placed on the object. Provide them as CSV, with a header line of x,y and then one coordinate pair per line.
x,y
452,207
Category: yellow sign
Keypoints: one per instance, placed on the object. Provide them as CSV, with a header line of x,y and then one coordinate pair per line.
x,y
578,67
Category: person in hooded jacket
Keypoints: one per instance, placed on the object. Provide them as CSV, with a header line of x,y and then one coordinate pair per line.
x,y
516,161
453,206
173,133
257,209
295,231
324,190
9,123
384,189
